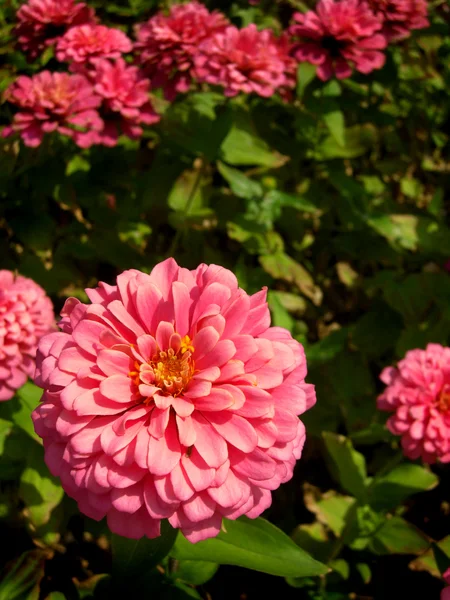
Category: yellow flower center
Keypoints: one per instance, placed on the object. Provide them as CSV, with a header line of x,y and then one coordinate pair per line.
x,y
174,370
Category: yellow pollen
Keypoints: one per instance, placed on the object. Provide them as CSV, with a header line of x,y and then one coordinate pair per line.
x,y
173,370
186,345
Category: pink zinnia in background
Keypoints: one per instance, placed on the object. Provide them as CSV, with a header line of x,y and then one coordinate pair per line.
x,y
243,60
84,42
399,17
339,37
418,393
54,102
26,314
445,594
167,45
170,396
124,92
42,22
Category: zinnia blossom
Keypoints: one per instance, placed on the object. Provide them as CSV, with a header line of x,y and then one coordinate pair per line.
x,y
170,396
26,314
42,22
340,36
245,60
167,45
418,393
399,17
82,43
125,99
54,102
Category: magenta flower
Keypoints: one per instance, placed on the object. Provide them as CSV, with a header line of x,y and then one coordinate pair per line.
x,y
42,22
125,100
54,102
26,314
170,396
418,393
399,17
84,42
245,60
167,45
445,594
339,37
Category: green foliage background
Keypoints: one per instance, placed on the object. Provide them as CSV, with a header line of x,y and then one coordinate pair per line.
x,y
338,202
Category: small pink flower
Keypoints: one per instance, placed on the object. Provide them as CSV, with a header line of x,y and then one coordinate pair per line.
x,y
245,60
340,36
125,99
399,17
84,42
26,314
418,393
54,102
445,594
42,22
167,45
170,396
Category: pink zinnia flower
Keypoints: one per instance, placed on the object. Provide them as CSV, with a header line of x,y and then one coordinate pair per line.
x,y
418,393
399,17
170,396
42,22
445,594
125,99
82,43
245,60
339,37
26,314
54,102
167,45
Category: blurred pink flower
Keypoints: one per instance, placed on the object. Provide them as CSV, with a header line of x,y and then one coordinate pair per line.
x,y
399,17
418,392
445,594
26,314
42,22
167,45
84,42
125,99
243,60
170,396
54,102
340,36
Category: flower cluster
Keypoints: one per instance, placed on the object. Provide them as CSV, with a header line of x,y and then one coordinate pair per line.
x,y
418,393
26,314
170,396
187,46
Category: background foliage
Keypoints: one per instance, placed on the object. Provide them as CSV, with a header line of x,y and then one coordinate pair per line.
x,y
337,202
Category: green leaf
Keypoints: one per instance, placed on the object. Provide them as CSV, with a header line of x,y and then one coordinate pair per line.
x,y
5,430
359,139
336,125
305,74
27,400
292,200
20,579
397,536
241,185
40,491
253,544
133,558
427,561
403,481
196,572
349,465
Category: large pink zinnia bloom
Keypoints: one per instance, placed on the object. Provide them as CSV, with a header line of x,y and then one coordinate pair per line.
x,y
245,60
125,99
42,22
418,392
54,102
167,45
170,396
82,43
26,314
339,37
399,17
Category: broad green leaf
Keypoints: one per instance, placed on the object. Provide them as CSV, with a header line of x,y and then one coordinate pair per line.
x,y
190,192
280,316
305,74
298,202
27,400
336,125
133,558
5,430
359,139
427,561
331,509
411,232
39,490
398,536
349,465
254,544
403,481
241,185
196,572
